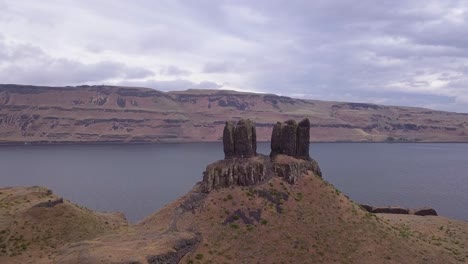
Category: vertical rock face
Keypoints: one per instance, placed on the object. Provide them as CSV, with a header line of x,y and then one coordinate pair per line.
x,y
240,141
239,172
254,140
288,137
228,140
303,136
291,169
243,139
276,139
291,139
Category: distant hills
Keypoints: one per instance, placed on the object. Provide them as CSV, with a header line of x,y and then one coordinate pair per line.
x,y
110,114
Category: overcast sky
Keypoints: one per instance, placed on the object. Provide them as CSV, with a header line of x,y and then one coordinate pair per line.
x,y
412,52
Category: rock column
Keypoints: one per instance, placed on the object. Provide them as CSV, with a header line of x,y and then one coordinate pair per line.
x,y
240,141
228,140
290,138
303,138
276,139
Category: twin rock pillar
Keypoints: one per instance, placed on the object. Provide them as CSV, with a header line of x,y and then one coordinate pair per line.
x,y
240,141
290,138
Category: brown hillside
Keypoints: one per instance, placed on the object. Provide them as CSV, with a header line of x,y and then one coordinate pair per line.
x,y
32,228
274,222
309,222
105,114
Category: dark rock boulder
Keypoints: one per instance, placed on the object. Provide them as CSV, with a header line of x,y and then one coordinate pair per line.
x,y
228,140
424,211
390,210
366,207
288,138
398,210
303,137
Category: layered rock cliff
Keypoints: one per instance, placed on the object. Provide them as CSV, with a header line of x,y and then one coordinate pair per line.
x,y
105,114
237,171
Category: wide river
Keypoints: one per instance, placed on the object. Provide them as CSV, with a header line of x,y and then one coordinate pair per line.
x,y
139,179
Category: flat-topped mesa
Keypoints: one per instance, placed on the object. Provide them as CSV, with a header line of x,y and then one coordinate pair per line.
x,y
240,141
291,139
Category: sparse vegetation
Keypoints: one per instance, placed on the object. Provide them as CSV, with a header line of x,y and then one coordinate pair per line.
x,y
277,226
299,196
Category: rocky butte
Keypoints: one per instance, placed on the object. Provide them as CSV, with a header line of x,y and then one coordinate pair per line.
x,y
242,166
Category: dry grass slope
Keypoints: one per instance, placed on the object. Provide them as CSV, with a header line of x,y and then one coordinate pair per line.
x,y
32,234
275,222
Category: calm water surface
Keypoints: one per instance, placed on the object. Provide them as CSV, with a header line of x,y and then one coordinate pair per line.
x,y
139,179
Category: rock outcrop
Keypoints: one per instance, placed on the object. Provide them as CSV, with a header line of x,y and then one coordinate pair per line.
x,y
241,172
423,211
390,210
240,141
289,158
290,138
398,210
50,203
290,169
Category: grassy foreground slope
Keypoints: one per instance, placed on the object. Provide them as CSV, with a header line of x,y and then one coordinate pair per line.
x,y
309,222
275,222
32,229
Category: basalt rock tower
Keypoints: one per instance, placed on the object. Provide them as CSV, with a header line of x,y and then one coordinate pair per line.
x,y
291,139
241,166
240,141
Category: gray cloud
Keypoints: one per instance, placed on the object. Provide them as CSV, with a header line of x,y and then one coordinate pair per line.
x,y
28,64
174,71
393,52
216,67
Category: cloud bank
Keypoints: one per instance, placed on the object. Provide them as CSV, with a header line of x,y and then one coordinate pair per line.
x,y
392,52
